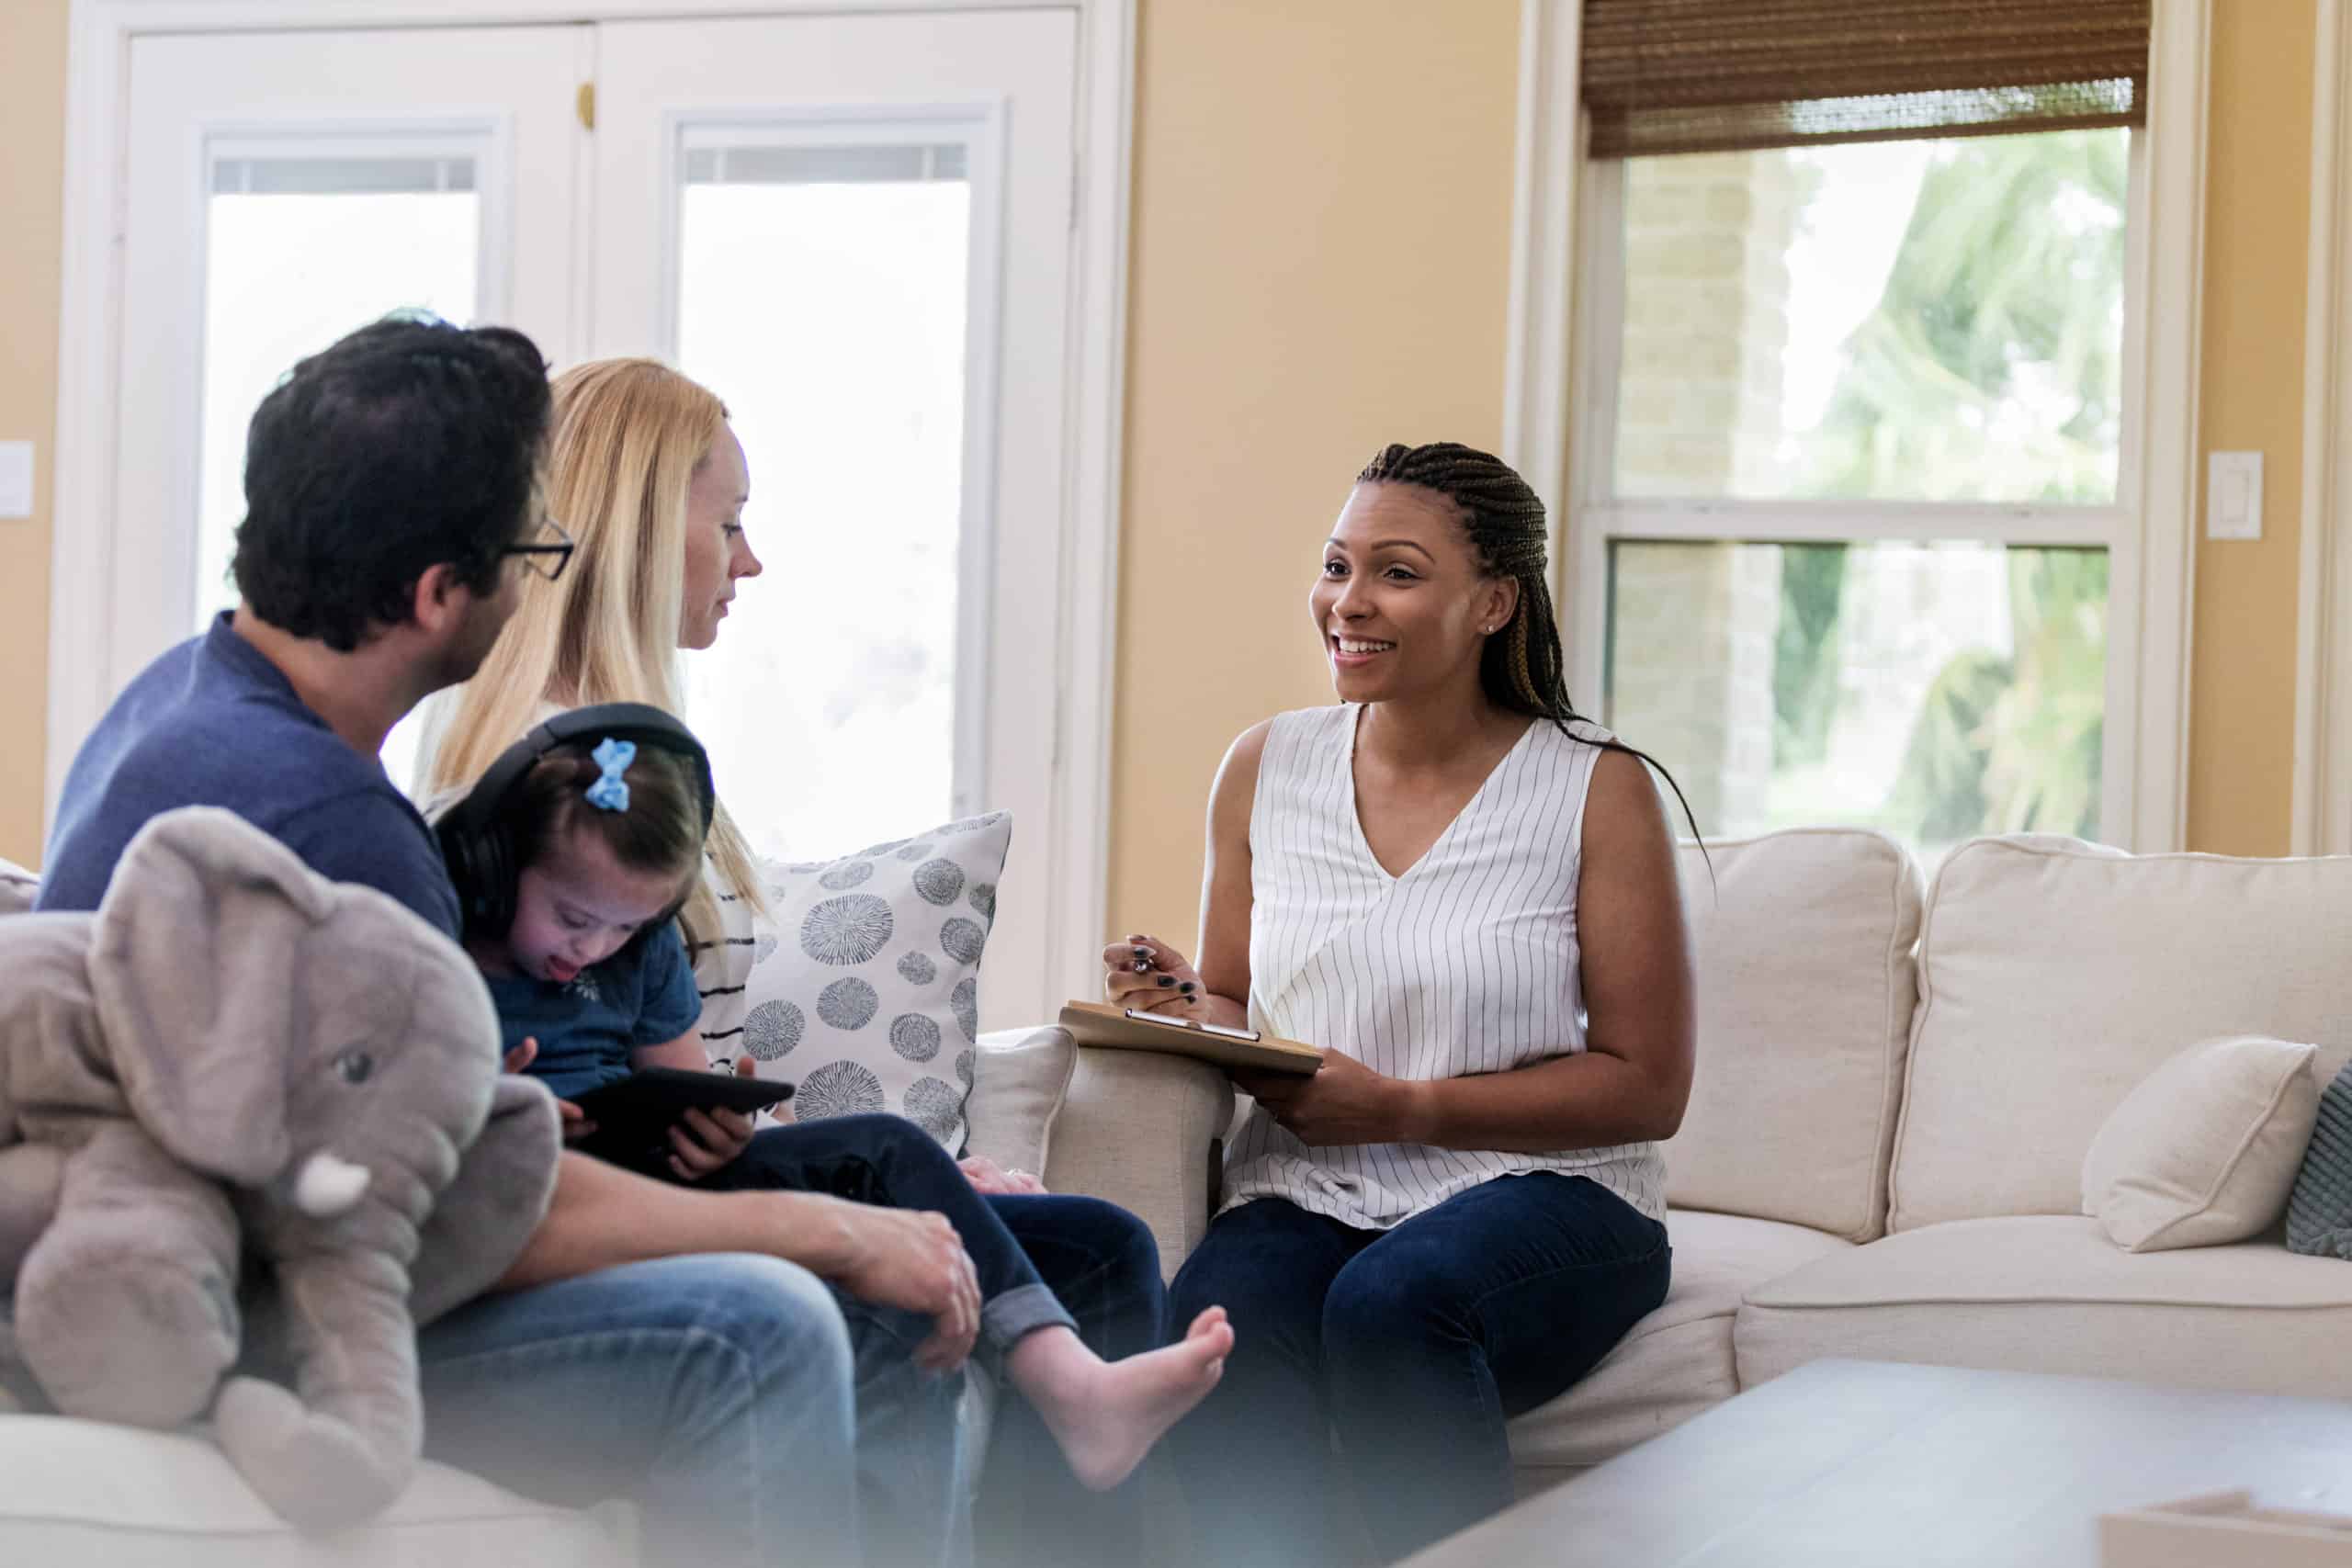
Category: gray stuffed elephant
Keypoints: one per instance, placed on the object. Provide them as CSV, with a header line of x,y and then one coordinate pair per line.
x,y
236,1071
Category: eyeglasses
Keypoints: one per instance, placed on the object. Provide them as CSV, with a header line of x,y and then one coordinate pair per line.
x,y
547,551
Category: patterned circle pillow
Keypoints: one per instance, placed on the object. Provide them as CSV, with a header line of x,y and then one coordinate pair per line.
x,y
864,987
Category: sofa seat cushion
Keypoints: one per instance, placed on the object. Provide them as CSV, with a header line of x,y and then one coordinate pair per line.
x,y
1677,1361
89,1492
2050,1293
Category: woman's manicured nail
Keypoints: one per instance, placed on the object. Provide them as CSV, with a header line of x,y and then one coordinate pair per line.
x,y
1189,988
1170,980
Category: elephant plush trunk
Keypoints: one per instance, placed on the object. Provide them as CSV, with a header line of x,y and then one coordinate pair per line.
x,y
328,1186
346,1442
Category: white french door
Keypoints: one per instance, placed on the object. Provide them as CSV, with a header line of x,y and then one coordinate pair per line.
x,y
856,229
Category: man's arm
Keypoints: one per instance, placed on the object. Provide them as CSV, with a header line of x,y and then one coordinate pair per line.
x,y
602,1216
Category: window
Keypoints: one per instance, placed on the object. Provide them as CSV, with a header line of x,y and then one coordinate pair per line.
x,y
300,248
825,288
1855,450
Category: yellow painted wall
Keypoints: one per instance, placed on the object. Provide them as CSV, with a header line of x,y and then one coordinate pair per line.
x,y
32,184
2257,220
1322,223
1322,246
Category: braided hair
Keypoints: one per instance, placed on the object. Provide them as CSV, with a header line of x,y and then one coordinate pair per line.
x,y
1522,669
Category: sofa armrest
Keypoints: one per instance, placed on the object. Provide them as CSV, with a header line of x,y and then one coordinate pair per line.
x,y
1145,1132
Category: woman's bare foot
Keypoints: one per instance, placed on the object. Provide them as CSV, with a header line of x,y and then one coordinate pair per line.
x,y
1107,1414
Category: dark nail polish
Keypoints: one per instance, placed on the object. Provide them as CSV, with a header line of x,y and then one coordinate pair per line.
x,y
1189,988
1170,980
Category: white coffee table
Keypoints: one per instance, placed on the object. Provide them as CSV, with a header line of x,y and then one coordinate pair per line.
x,y
1873,1462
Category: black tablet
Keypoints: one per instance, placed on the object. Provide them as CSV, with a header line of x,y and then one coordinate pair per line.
x,y
634,1115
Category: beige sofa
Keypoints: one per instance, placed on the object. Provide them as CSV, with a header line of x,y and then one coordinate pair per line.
x,y
1882,1157
1880,1160
83,1492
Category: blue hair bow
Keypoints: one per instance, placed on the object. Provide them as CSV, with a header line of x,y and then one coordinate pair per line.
x,y
610,793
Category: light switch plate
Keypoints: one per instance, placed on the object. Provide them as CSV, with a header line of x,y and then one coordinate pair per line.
x,y
2233,495
16,479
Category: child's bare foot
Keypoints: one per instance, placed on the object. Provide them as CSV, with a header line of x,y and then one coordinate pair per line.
x,y
1107,1414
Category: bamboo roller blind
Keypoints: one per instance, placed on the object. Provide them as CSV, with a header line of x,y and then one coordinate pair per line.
x,y
1724,75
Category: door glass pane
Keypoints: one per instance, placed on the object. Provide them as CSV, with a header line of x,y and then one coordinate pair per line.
x,y
300,251
821,294
1916,320
1933,692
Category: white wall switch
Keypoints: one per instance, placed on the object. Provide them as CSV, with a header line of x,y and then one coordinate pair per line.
x,y
2233,495
15,478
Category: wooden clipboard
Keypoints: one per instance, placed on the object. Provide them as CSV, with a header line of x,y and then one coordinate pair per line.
x,y
1122,1029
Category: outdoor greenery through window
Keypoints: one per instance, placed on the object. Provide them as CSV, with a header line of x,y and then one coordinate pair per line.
x,y
1913,347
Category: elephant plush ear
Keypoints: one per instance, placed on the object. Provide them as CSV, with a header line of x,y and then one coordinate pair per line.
x,y
482,1220
193,961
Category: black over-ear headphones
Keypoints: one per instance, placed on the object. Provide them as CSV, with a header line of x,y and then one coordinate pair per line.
x,y
480,848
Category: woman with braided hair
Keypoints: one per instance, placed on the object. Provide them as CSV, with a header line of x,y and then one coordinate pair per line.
x,y
1465,893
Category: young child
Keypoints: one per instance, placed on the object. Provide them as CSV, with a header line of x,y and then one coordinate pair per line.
x,y
592,983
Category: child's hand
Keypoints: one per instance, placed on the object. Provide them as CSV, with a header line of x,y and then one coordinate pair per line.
x,y
576,1124
705,1141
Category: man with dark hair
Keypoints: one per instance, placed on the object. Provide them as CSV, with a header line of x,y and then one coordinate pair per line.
x,y
675,1346
388,479
407,444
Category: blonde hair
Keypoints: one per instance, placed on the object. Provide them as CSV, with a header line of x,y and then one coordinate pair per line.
x,y
630,435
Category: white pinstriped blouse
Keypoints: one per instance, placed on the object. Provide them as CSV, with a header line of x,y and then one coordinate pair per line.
x,y
1467,963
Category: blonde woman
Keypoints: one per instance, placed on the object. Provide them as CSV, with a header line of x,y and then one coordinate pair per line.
x,y
647,475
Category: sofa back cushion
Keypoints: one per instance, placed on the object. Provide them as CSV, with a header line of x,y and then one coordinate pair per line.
x,y
2054,976
1802,943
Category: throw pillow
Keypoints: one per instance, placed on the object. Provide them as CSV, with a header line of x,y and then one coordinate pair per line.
x,y
1022,1078
862,987
18,886
2204,1150
2319,1210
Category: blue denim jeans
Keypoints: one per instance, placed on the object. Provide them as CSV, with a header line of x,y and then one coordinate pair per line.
x,y
1373,1371
755,1415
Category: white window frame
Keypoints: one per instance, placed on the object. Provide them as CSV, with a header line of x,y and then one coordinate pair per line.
x,y
1560,411
2322,821
87,536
